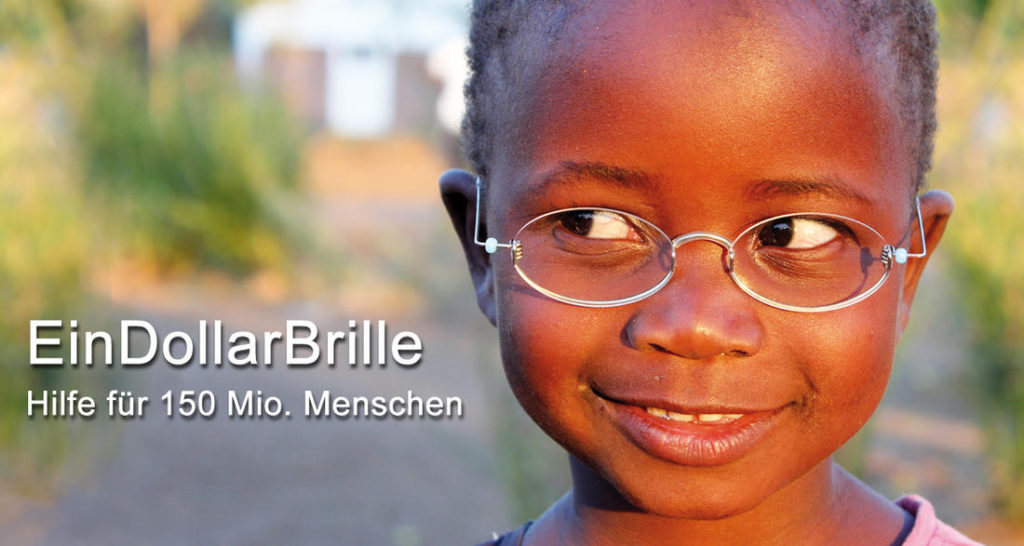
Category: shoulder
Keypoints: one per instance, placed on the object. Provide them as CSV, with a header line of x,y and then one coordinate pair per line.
x,y
511,538
928,530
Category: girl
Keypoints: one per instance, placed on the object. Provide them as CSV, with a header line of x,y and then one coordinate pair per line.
x,y
697,229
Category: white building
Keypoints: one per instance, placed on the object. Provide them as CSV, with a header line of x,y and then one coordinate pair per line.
x,y
351,65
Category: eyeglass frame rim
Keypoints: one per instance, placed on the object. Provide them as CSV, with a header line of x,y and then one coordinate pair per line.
x,y
890,254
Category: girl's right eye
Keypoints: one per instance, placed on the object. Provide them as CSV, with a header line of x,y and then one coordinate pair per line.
x,y
598,224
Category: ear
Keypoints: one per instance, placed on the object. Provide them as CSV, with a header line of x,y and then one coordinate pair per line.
x,y
458,191
936,207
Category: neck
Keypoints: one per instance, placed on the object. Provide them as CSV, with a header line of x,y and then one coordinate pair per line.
x,y
826,505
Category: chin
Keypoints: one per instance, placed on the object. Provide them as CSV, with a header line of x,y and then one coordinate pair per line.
x,y
673,497
696,507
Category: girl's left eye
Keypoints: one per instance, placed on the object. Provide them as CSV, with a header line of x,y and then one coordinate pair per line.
x,y
795,232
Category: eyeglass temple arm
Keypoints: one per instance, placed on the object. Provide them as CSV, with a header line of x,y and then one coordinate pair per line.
x,y
900,255
491,245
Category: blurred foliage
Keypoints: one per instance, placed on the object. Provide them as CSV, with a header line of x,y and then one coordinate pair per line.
x,y
42,246
183,168
195,178
963,24
124,138
980,159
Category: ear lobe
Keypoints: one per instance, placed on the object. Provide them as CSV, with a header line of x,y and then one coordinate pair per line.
x,y
458,191
936,207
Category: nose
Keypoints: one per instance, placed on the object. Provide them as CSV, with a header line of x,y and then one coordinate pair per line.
x,y
700,314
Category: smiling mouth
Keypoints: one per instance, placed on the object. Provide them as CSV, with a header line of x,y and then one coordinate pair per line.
x,y
693,437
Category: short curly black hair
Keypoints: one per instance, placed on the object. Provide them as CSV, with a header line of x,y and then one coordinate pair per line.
x,y
906,30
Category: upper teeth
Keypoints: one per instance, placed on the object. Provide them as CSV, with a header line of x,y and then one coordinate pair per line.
x,y
699,417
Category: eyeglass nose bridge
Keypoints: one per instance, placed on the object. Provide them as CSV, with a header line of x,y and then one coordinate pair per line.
x,y
705,236
701,236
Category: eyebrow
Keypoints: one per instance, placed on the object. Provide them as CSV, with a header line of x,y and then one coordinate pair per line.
x,y
571,171
832,187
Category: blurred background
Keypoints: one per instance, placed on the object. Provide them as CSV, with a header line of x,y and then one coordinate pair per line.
x,y
262,161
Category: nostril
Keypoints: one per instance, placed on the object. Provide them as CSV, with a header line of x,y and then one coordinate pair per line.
x,y
737,353
659,348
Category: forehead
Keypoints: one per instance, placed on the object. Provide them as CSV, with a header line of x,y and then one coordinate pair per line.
x,y
702,91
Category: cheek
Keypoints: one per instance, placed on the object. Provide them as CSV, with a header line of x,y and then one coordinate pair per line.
x,y
536,350
848,359
546,350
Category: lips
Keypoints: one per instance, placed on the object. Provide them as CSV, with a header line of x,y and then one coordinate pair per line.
x,y
705,436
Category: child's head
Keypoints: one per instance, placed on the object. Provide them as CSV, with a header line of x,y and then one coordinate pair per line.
x,y
698,400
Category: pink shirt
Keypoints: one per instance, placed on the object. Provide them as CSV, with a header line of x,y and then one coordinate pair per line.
x,y
928,530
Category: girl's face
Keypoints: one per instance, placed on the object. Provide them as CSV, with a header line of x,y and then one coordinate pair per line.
x,y
708,120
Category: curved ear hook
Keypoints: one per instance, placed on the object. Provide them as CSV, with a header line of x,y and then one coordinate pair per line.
x,y
900,255
491,245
